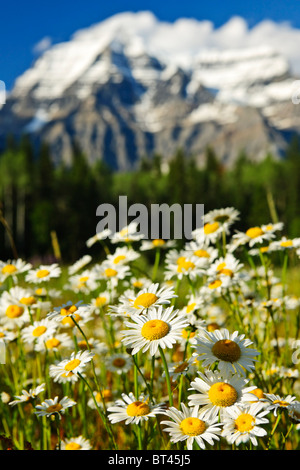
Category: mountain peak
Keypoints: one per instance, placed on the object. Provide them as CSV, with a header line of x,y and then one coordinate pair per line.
x,y
132,85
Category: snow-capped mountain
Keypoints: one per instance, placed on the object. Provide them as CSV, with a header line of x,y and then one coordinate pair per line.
x,y
131,86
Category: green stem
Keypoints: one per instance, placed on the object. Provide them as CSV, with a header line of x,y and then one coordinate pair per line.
x,y
103,417
163,357
156,264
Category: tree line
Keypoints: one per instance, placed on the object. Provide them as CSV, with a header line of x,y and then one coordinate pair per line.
x,y
44,206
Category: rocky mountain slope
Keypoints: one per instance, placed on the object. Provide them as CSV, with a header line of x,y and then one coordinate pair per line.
x,y
116,90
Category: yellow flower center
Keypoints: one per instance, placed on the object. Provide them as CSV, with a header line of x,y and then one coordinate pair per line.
x,y
138,408
40,291
258,393
254,232
226,350
221,269
68,321
222,394
14,311
27,300
155,329
54,408
2,334
107,394
72,446
67,310
184,264
72,364
109,272
280,403
244,423
215,284
201,253
145,300
83,280
286,243
137,284
119,258
190,307
188,333
192,426
158,242
52,343
124,232
9,269
100,301
264,249
119,362
42,273
213,326
39,330
211,228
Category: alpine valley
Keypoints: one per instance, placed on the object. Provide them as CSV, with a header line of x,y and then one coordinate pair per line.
x,y
132,86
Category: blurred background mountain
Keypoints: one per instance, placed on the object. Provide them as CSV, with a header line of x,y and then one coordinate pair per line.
x,y
161,112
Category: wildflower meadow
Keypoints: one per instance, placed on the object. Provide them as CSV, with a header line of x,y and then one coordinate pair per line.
x,y
158,345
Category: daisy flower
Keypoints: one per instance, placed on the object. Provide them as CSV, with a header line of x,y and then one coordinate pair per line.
x,y
13,268
147,245
39,331
151,296
119,363
128,233
69,311
206,254
133,410
12,313
193,303
230,351
111,273
242,424
187,425
79,264
27,395
76,443
180,264
103,235
159,328
51,407
122,255
226,267
213,231
218,393
43,273
85,282
285,244
71,367
277,402
97,303
55,343
273,227
226,217
252,236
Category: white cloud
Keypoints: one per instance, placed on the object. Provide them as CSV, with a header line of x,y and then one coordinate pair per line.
x,y
41,46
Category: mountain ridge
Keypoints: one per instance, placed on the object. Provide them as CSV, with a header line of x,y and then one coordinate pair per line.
x,y
113,90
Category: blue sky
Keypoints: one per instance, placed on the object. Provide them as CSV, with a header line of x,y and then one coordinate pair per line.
x,y
24,24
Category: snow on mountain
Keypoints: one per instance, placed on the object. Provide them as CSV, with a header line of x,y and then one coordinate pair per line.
x,y
156,85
